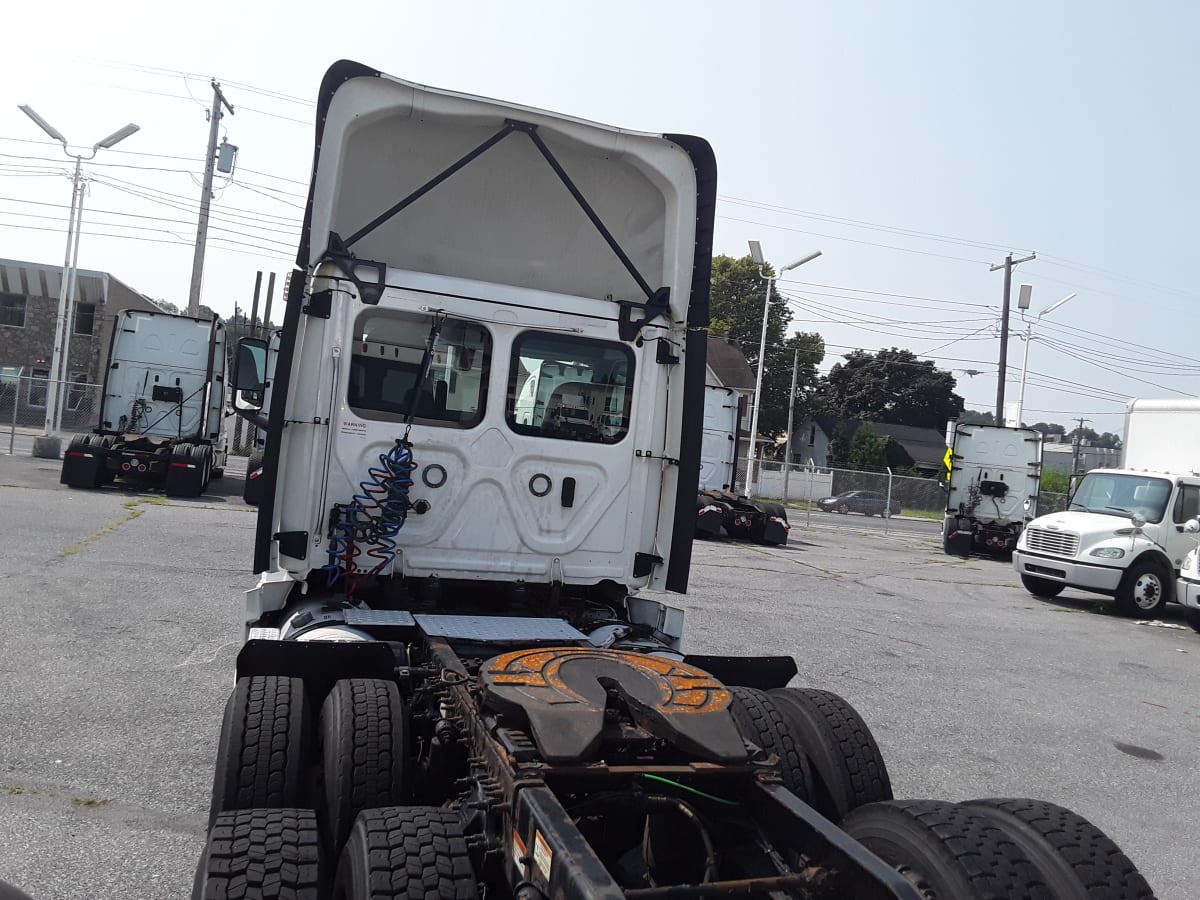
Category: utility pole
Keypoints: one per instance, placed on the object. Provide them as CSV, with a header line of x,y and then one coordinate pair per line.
x,y
787,453
214,126
1008,265
64,299
1078,442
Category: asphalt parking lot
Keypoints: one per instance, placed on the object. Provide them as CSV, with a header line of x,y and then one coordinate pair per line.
x,y
122,615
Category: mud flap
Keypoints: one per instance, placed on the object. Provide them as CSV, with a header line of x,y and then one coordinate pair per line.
x,y
82,468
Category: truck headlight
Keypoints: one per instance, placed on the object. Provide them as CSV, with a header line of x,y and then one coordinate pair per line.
x,y
1108,552
1189,563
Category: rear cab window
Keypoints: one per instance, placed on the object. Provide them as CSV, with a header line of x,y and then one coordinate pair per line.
x,y
570,388
385,367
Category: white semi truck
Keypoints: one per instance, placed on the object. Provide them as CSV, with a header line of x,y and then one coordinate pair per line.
x,y
162,407
459,677
992,487
1124,532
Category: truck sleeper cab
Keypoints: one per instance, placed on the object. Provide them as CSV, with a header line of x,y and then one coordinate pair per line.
x,y
481,463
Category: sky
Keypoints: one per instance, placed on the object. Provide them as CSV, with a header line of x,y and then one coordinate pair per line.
x,y
914,144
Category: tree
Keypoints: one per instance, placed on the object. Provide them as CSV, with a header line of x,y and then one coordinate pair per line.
x,y
866,449
890,386
839,445
736,313
1109,440
167,306
1051,428
896,458
975,417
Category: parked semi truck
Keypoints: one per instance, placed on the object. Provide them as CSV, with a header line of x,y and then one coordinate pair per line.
x,y
1123,534
161,410
991,488
460,677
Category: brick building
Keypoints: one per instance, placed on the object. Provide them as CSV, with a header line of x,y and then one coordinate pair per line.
x,y
28,316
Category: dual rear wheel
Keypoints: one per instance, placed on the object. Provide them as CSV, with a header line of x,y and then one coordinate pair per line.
x,y
315,806
319,790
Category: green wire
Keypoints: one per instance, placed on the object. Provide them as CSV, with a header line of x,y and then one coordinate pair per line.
x,y
690,790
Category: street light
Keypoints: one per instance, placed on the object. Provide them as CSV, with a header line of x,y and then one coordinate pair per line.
x,y
1028,339
59,364
756,255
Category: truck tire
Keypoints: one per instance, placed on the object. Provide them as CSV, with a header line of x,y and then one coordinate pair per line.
x,y
1144,589
1075,856
760,721
848,770
256,854
106,441
406,851
83,463
265,751
1042,587
203,456
185,473
947,850
364,745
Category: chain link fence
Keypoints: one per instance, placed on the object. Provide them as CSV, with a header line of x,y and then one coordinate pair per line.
x,y
914,495
799,485
23,408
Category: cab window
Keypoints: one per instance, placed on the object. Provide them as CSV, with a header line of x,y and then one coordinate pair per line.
x,y
385,368
1187,503
570,388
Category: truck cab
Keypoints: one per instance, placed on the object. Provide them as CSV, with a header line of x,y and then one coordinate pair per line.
x,y
1124,532
1122,535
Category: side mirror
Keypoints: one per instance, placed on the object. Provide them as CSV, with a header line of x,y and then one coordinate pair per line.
x,y
1191,526
249,373
1137,520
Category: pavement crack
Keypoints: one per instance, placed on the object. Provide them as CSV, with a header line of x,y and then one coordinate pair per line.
x,y
132,508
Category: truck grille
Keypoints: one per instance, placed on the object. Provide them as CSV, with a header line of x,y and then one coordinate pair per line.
x,y
1056,543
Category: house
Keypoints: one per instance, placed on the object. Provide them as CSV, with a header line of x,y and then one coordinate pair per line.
x,y
28,318
727,367
1058,456
926,446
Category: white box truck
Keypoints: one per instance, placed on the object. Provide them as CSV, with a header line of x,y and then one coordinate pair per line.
x,y
992,489
1123,534
162,408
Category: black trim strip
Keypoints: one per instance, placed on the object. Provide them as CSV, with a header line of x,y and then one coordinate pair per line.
x,y
263,535
112,342
687,483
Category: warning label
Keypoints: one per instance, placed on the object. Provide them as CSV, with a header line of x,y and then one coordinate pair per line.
x,y
519,853
542,857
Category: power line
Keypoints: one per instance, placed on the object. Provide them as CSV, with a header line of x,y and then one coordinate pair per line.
x,y
833,237
265,252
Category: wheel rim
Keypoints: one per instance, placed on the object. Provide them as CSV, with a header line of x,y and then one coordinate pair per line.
x,y
1147,590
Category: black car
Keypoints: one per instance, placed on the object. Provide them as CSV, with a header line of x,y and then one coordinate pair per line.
x,y
869,503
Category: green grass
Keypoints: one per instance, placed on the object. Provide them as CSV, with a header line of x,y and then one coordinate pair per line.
x,y
133,511
88,801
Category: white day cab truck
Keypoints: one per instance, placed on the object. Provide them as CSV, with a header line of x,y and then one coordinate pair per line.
x,y
162,407
992,487
459,677
1125,532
